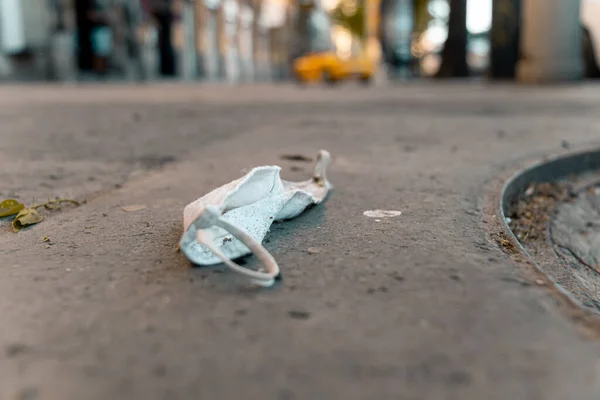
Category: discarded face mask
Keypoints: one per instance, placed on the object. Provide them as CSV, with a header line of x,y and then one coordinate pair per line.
x,y
231,221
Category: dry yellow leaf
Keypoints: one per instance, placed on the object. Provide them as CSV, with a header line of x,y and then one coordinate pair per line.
x,y
26,217
133,207
10,207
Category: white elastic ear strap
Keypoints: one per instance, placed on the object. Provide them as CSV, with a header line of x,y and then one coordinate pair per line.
x,y
265,279
323,159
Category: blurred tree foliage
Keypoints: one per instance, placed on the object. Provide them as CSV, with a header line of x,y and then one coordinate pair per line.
x,y
422,16
355,21
351,15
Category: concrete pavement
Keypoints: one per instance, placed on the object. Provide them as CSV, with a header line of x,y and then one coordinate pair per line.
x,y
421,306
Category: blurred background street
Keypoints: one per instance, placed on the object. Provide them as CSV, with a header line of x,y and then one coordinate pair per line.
x,y
237,41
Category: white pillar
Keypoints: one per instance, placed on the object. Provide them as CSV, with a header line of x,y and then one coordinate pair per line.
x,y
230,14
190,52
264,51
12,28
210,39
551,44
62,45
246,42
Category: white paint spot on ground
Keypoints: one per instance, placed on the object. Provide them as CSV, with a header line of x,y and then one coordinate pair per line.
x,y
382,213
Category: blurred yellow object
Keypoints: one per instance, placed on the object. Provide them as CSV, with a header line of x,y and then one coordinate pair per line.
x,y
331,67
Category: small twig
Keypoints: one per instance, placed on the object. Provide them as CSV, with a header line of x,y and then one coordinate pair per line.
x,y
55,204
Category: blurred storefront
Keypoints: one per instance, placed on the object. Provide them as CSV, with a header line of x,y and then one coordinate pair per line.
x,y
215,40
276,22
24,43
335,25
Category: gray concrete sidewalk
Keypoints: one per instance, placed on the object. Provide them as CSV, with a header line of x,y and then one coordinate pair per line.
x,y
421,306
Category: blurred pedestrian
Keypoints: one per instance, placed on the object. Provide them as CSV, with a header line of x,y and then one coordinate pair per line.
x,y
132,14
117,20
162,12
85,53
102,37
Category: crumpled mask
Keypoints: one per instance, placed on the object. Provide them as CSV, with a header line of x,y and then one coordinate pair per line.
x,y
231,221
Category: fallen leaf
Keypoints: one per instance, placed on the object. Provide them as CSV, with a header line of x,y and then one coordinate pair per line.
x,y
134,207
26,217
10,207
45,239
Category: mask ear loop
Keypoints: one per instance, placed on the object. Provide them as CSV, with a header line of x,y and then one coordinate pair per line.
x,y
212,217
321,165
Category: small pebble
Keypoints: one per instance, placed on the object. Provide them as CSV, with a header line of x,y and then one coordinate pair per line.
x,y
314,250
529,191
15,349
296,314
